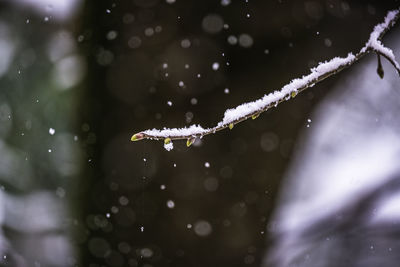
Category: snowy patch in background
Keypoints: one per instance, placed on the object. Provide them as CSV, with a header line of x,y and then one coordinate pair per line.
x,y
57,9
7,48
341,186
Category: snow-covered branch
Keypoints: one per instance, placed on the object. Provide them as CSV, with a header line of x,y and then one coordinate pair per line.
x,y
253,109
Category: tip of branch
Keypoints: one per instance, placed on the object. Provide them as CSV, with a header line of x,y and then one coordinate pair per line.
x,y
190,141
379,70
137,137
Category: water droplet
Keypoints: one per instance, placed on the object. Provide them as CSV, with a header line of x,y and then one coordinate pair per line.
x,y
52,131
207,164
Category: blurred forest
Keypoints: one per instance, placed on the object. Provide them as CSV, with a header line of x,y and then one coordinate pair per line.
x,y
78,78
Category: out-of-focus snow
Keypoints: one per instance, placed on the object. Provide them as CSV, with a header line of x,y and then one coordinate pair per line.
x,y
55,9
351,151
7,48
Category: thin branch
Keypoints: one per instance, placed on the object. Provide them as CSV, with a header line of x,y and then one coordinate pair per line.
x,y
296,86
392,61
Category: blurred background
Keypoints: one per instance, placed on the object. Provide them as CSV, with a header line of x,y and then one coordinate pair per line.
x,y
78,78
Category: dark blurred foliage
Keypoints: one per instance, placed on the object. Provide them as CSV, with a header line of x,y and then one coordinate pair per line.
x,y
140,51
135,204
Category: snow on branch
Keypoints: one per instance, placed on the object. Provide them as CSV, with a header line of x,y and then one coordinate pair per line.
x,y
375,43
253,109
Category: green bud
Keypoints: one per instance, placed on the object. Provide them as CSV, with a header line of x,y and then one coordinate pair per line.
x,y
190,141
255,116
137,137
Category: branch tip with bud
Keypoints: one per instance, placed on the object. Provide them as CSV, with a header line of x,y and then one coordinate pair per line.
x,y
291,90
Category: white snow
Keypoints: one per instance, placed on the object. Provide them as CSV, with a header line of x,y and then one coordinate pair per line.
x,y
52,131
170,204
291,89
376,44
192,130
215,66
169,146
243,110
246,109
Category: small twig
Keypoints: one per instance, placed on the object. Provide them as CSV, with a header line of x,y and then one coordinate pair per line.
x,y
379,69
393,62
254,109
